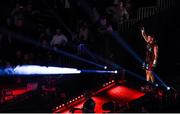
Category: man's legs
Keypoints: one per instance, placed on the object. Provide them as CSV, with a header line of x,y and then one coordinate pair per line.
x,y
149,79
151,76
147,75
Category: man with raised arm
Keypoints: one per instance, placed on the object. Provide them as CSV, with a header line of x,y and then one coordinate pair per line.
x,y
151,55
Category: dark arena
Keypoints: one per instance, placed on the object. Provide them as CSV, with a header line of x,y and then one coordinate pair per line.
x,y
89,56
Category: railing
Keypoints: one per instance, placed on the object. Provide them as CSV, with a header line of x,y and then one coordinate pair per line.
x,y
146,12
163,4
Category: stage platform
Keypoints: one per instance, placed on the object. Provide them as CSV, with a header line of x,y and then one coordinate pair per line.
x,y
118,96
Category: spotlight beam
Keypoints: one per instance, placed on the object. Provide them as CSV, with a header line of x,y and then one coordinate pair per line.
x,y
106,61
128,71
126,46
163,83
48,70
100,71
38,44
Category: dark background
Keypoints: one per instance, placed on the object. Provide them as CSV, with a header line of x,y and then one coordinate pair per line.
x,y
165,26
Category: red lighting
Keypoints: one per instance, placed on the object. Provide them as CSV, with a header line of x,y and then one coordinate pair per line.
x,y
126,94
120,94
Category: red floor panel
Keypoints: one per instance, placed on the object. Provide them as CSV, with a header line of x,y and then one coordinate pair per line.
x,y
120,94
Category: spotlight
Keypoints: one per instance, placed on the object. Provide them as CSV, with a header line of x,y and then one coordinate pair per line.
x,y
168,88
156,85
62,104
105,67
57,107
115,71
112,80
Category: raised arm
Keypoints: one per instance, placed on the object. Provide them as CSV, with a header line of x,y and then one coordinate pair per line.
x,y
144,34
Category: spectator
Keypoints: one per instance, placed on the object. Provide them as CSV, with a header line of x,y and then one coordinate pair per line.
x,y
89,106
18,16
83,33
109,28
119,13
122,12
66,4
48,33
103,24
59,40
95,15
128,4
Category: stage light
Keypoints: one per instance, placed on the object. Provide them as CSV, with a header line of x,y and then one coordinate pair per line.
x,y
168,88
39,70
115,71
156,85
105,67
62,104
47,70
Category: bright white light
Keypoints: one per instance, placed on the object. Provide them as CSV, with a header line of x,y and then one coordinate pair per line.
x,y
156,85
168,88
105,67
102,71
115,71
48,70
35,69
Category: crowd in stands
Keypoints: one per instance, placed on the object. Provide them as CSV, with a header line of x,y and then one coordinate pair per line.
x,y
75,22
23,19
